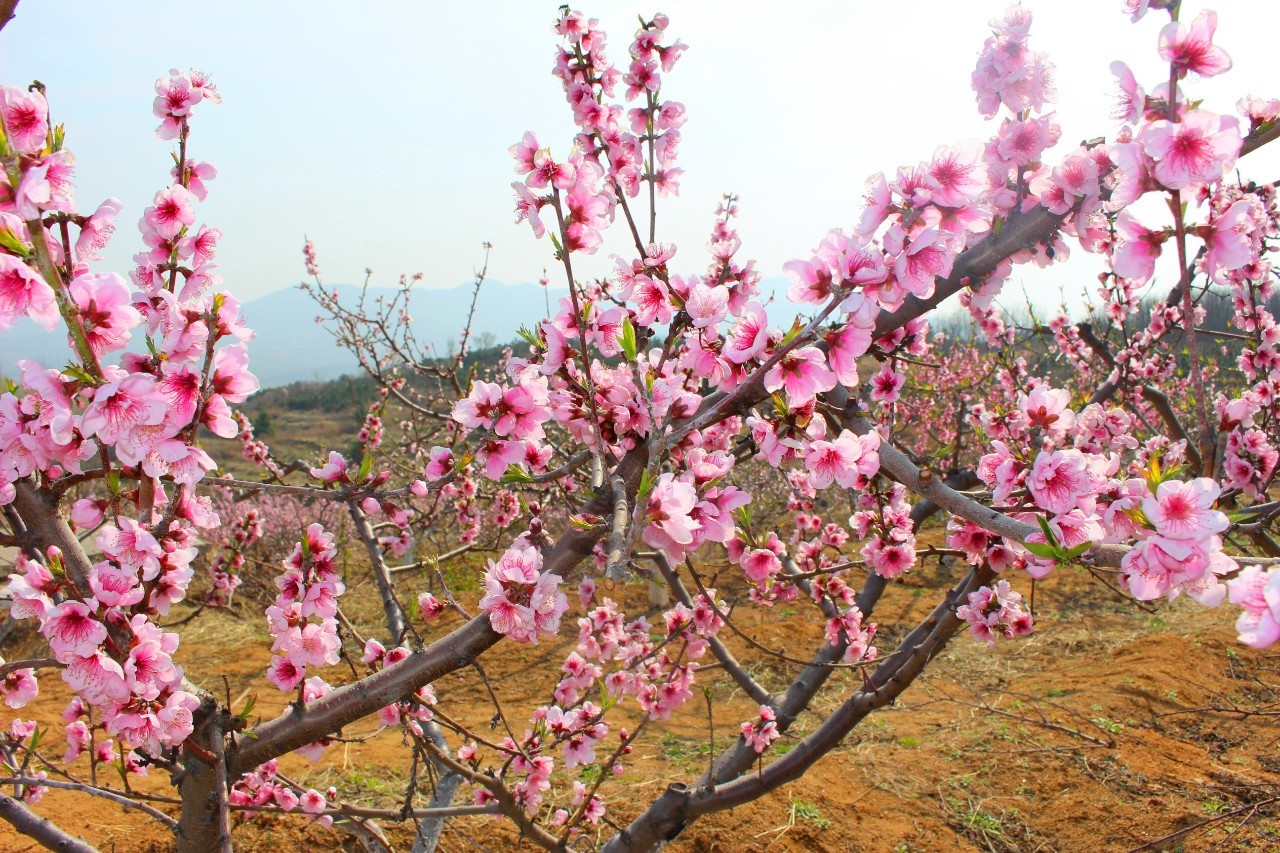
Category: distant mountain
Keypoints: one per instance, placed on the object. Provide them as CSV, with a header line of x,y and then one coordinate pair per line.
x,y
290,346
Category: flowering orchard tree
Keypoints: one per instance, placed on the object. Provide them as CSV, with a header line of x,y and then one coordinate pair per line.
x,y
658,423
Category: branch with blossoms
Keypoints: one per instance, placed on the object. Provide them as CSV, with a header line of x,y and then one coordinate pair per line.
x,y
659,407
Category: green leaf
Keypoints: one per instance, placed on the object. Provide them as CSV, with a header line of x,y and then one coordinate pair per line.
x,y
515,474
943,451
1048,531
11,243
646,486
794,332
1078,550
529,337
1042,549
628,339
77,372
366,465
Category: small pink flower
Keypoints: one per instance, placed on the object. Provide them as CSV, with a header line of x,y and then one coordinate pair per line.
x,y
1191,48
1135,256
1185,510
803,374
1196,150
312,801
333,471
173,209
1258,592
24,293
886,386
26,118
748,337
763,731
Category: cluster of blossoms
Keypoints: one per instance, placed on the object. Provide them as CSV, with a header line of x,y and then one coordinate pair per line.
x,y
625,660
1070,467
303,620
522,602
762,731
137,419
995,612
81,740
263,787
884,520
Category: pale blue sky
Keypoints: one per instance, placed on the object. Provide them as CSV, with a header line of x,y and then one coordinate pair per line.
x,y
381,131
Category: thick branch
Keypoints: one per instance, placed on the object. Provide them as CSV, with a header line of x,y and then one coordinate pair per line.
x,y
41,829
40,514
7,8
972,266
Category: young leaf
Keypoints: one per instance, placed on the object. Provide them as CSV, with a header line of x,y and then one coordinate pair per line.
x,y
628,339
1048,531
515,474
1042,549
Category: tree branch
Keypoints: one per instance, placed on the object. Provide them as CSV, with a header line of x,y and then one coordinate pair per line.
x,y
41,829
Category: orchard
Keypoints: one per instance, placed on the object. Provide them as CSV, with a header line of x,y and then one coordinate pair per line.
x,y
622,500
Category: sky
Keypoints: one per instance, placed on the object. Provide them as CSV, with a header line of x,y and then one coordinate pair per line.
x,y
381,130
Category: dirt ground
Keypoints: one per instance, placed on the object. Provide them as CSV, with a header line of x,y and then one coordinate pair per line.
x,y
1111,728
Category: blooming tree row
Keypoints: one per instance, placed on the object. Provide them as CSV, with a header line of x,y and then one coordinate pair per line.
x,y
657,422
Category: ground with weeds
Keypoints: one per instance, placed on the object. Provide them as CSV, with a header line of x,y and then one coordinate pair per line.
x,y
1113,727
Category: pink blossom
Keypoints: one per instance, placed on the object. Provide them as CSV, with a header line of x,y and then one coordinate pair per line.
x,y
1196,150
1191,48
312,801
132,545
843,460
707,305
886,386
285,674
748,337
113,586
24,293
312,645
19,687
803,374
955,176
73,630
106,310
1048,408
760,564
1060,480
96,231
761,732
172,210
917,262
121,405
1135,257
652,300
1258,592
671,503
1226,238
522,603
812,281
26,118
1185,510
333,471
